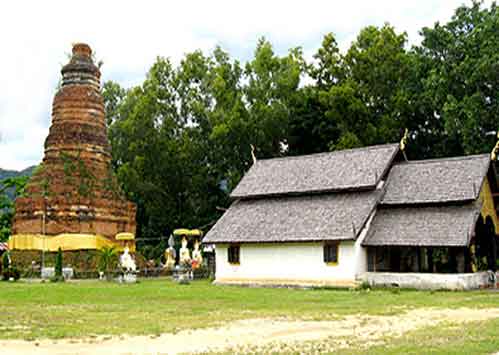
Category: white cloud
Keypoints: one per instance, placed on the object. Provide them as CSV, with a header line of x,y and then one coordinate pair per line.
x,y
36,37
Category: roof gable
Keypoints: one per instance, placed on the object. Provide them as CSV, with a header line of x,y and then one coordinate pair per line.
x,y
436,181
352,169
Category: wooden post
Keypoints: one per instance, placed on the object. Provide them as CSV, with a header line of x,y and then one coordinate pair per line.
x,y
418,252
430,259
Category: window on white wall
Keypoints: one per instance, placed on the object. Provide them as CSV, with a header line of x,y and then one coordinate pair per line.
x,y
331,253
233,254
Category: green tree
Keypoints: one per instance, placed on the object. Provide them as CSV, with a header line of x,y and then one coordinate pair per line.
x,y
145,154
460,80
378,63
311,130
184,135
359,98
272,85
17,184
113,95
329,69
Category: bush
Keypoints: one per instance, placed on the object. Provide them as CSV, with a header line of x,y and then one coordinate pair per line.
x,y
153,252
11,272
57,279
15,273
85,274
364,286
108,260
58,264
203,272
5,261
85,263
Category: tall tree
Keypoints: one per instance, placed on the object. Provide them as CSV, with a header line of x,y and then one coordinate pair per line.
x,y
362,95
311,130
143,138
377,67
461,77
272,85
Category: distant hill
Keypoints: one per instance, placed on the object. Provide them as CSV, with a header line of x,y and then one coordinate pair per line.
x,y
4,174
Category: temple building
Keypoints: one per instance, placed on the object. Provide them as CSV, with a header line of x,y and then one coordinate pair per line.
x,y
73,200
366,214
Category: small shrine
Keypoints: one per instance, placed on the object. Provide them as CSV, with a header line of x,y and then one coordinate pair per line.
x,y
188,262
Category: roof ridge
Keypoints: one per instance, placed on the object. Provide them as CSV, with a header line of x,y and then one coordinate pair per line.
x,y
436,160
293,157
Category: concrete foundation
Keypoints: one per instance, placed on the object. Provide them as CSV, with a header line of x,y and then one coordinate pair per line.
x,y
430,281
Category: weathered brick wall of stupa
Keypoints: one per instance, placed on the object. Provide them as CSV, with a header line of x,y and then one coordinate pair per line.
x,y
75,185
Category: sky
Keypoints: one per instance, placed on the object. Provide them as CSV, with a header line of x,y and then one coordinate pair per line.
x,y
36,38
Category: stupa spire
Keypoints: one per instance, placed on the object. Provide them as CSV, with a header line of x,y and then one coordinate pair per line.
x,y
81,69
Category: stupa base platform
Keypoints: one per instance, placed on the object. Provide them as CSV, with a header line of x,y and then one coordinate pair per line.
x,y
67,242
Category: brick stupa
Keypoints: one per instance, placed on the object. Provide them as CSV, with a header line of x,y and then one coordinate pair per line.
x,y
73,198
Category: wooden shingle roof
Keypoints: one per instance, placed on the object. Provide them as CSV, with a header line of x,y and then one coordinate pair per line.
x,y
331,196
444,226
436,181
338,216
345,170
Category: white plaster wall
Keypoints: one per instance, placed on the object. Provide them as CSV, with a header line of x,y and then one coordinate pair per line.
x,y
361,252
294,263
291,263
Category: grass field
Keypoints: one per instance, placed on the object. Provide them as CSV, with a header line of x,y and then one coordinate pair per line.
x,y
89,308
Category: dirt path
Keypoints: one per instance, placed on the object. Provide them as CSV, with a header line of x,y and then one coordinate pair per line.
x,y
244,334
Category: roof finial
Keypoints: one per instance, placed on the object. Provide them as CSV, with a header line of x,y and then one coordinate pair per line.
x,y
403,143
495,151
253,153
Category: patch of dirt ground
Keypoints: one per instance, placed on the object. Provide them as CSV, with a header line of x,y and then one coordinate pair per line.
x,y
245,335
